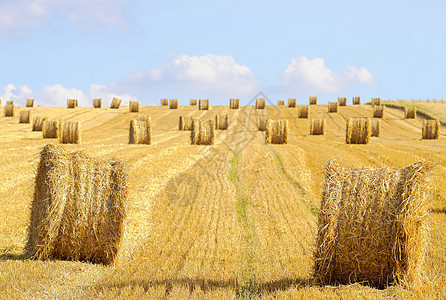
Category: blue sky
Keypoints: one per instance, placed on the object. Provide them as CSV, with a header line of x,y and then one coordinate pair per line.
x,y
52,50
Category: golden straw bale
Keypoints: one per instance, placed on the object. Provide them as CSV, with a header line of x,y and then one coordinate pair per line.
x,y
234,103
193,102
164,102
317,127
376,101
262,122
378,111
0,102
10,102
134,106
140,131
431,129
356,100
342,101
291,102
371,225
203,104
260,103
410,112
25,116
29,102
97,103
221,122
313,100
50,129
303,111
173,103
376,126
9,109
185,123
72,103
277,132
78,208
358,131
38,122
333,107
280,102
116,103
70,132
202,132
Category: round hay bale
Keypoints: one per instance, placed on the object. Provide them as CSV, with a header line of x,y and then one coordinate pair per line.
x,y
38,122
164,102
260,103
203,132
70,132
303,111
280,102
342,101
376,101
97,103
78,208
185,123
140,131
277,132
173,103
430,130
221,122
313,100
371,225
356,100
234,103
116,103
134,106
317,126
193,102
29,102
333,107
358,131
50,129
262,122
9,109
376,126
378,111
10,102
72,103
203,104
291,102
410,112
24,116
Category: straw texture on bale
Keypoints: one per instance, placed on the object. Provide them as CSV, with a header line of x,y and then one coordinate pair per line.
x,y
164,102
203,104
342,101
234,103
50,129
317,126
410,112
78,208
38,123
376,128
193,102
262,122
358,131
202,132
303,111
333,107
72,103
29,102
291,102
376,101
378,111
313,100
140,131
9,102
260,103
97,103
277,132
25,116
70,132
134,106
431,129
371,225
173,103
116,103
185,123
356,100
9,110
280,102
0,102
221,122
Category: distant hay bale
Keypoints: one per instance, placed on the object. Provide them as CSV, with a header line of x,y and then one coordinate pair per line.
x,y
378,111
164,102
277,132
303,111
70,132
291,102
193,102
78,208
10,102
260,103
376,101
116,103
134,106
317,127
234,103
97,103
72,103
9,109
50,129
25,116
29,102
173,103
203,132
376,128
410,112
221,122
333,107
372,225
140,131
313,100
358,131
203,104
431,130
342,101
185,123
38,122
356,100
262,122
280,102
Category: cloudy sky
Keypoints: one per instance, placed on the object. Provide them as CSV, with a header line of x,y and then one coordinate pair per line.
x,y
52,50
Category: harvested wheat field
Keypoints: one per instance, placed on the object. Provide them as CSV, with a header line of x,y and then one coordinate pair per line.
x,y
236,219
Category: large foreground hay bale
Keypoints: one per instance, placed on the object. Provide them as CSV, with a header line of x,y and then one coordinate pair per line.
x,y
410,112
50,129
70,132
72,103
333,107
431,129
173,103
25,116
317,127
358,131
140,131
116,103
164,102
203,104
221,122
78,208
9,110
38,122
134,106
313,100
280,102
262,122
97,103
234,103
291,102
193,102
376,101
260,103
378,111
202,132
277,132
356,100
29,102
342,101
376,128
303,111
371,225
185,123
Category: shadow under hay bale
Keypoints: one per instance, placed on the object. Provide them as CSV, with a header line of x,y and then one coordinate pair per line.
x,y
116,103
38,122
203,132
203,104
173,103
72,103
70,132
140,131
29,102
333,107
358,131
134,106
164,102
303,111
313,100
262,122
410,112
280,102
193,102
78,208
291,102
342,101
277,132
25,116
185,123
221,122
430,130
371,225
356,100
50,129
378,111
317,126
376,128
376,101
9,110
260,103
97,103
234,103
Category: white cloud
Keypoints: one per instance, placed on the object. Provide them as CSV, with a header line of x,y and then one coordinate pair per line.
x,y
11,92
312,76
